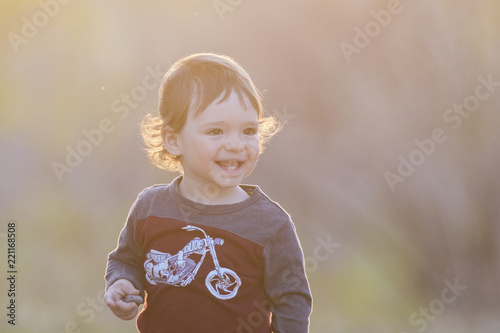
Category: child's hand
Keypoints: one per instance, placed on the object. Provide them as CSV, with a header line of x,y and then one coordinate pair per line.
x,y
115,299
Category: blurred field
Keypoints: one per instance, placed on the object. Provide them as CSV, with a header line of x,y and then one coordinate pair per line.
x,y
358,161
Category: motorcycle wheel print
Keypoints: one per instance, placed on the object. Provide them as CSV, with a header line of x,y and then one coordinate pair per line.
x,y
224,287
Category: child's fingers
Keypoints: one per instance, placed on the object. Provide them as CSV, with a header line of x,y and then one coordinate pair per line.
x,y
125,307
111,297
119,290
124,310
115,299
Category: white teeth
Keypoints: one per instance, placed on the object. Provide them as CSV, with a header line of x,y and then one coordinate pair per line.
x,y
230,165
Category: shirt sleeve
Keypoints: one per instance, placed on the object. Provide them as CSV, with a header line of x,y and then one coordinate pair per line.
x,y
125,262
286,282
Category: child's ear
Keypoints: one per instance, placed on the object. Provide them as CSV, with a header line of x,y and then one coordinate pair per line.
x,y
171,141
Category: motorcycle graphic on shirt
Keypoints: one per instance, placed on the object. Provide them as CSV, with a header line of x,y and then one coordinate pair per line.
x,y
179,270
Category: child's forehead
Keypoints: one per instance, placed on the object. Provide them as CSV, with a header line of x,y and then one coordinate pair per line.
x,y
199,103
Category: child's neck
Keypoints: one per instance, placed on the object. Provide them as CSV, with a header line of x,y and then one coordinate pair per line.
x,y
212,195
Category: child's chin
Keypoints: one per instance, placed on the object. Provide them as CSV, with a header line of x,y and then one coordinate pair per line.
x,y
228,182
225,181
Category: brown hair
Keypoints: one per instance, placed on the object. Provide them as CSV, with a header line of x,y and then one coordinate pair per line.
x,y
195,82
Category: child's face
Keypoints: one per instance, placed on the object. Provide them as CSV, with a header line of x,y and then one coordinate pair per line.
x,y
220,146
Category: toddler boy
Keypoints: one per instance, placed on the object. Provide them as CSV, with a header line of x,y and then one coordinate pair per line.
x,y
208,253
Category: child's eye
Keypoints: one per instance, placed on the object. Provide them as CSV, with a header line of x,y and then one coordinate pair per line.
x,y
250,131
215,131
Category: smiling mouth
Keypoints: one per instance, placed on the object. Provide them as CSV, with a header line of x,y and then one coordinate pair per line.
x,y
231,165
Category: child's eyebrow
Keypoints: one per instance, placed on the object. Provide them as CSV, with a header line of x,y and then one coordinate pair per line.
x,y
221,123
213,123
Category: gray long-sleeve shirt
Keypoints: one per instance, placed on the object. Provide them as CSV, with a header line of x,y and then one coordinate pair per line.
x,y
213,268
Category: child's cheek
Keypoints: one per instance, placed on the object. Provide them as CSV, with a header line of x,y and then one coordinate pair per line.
x,y
253,145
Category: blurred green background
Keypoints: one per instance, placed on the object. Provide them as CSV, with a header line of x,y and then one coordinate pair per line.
x,y
360,85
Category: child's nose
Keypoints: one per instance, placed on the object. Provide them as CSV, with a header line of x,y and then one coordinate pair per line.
x,y
234,143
